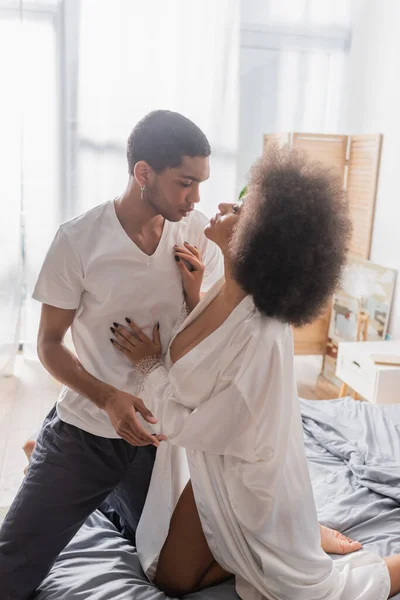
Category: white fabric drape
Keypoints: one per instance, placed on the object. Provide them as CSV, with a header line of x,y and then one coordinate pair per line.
x,y
138,56
293,70
10,195
121,59
41,165
29,158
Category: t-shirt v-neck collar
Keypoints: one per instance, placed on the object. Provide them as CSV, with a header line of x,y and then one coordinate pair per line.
x,y
132,244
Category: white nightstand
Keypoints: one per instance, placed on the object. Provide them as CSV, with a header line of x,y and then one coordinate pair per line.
x,y
379,384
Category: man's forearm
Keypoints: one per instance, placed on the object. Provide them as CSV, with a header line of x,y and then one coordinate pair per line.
x,y
66,368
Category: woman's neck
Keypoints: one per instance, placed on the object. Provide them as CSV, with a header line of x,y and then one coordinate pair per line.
x,y
231,293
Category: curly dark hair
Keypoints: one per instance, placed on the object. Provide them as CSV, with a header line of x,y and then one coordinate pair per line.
x,y
291,241
162,138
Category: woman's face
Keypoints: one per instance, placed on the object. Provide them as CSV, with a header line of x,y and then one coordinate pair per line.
x,y
221,227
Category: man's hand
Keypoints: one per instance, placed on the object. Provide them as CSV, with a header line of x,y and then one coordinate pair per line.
x,y
121,407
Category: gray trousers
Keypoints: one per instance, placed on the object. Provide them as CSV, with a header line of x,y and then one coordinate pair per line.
x,y
71,473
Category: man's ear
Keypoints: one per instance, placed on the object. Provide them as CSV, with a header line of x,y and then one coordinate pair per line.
x,y
143,173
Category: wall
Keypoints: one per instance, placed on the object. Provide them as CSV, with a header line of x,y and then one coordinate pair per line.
x,y
373,106
258,105
293,59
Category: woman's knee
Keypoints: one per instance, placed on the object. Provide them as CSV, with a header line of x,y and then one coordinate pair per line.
x,y
175,587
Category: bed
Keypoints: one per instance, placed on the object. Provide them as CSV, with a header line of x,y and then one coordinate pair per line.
x,y
353,450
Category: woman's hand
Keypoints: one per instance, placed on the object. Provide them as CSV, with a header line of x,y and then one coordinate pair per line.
x,y
134,343
191,279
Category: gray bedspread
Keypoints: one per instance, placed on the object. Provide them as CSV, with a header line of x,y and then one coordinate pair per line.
x,y
99,564
353,450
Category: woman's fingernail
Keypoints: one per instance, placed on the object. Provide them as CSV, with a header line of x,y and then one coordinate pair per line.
x,y
115,324
187,243
127,320
158,324
112,329
196,247
111,340
177,258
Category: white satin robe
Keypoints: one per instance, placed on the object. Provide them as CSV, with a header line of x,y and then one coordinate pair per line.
x,y
231,413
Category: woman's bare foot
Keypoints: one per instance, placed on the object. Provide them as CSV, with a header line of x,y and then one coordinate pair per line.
x,y
28,449
334,542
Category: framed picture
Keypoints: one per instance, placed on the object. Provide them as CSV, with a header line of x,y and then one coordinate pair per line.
x,y
367,285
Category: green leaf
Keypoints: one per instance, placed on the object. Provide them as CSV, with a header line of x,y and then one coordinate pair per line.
x,y
243,192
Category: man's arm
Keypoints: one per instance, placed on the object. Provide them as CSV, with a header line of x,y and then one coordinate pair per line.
x,y
61,362
65,367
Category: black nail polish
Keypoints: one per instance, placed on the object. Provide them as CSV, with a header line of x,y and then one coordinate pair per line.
x,y
187,243
111,340
112,329
177,258
115,324
158,324
127,320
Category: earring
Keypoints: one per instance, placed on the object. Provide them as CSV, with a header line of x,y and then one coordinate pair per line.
x,y
142,190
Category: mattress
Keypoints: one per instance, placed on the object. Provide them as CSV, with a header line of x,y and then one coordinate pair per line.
x,y
353,452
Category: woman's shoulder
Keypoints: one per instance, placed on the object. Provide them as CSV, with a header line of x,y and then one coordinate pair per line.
x,y
257,340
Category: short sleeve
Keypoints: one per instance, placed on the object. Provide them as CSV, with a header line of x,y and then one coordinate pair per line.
x,y
60,281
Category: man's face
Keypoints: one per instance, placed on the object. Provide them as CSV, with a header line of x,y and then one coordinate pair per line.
x,y
174,192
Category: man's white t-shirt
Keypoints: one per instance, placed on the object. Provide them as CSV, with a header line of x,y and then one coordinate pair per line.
x,y
94,267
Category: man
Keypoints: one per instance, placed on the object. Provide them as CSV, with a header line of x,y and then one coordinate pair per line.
x,y
111,264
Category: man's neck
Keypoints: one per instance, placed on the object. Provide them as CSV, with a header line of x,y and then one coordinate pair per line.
x,y
136,214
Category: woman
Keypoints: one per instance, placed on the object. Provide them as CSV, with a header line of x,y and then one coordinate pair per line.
x,y
227,396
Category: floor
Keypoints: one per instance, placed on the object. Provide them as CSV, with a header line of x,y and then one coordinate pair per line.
x,y
27,397
310,384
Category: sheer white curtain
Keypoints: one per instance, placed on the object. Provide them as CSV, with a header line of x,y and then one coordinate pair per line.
x,y
10,194
29,161
103,66
294,56
41,163
138,56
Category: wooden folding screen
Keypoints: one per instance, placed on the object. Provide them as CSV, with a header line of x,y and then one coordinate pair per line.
x,y
364,153
357,160
277,138
329,149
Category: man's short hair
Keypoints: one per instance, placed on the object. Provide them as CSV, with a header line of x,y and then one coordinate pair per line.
x,y
162,138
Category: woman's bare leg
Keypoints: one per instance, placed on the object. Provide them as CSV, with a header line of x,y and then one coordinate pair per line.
x,y
215,575
186,563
